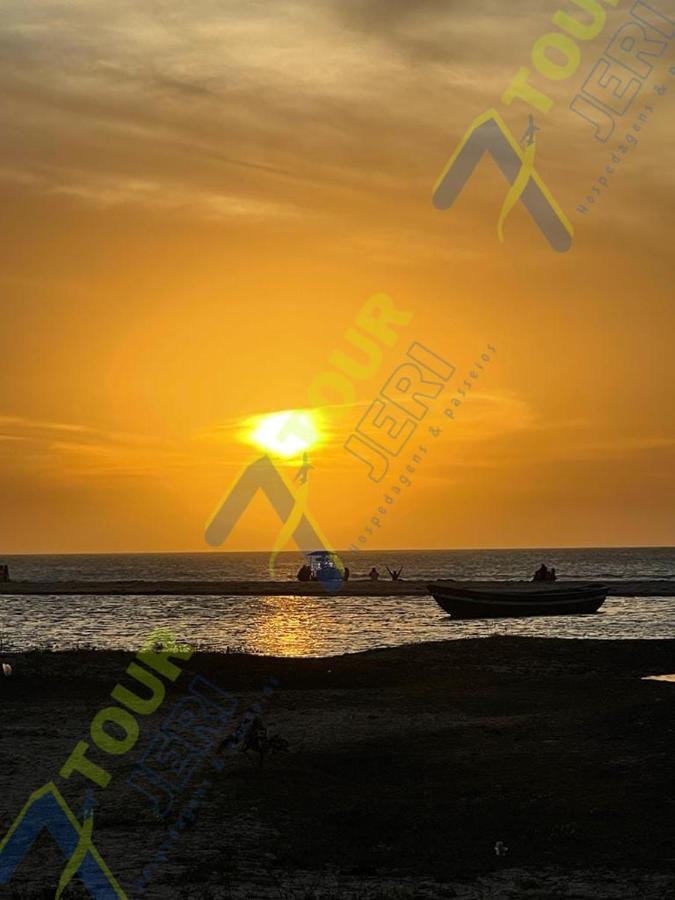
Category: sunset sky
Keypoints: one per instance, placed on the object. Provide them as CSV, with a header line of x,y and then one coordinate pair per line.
x,y
199,198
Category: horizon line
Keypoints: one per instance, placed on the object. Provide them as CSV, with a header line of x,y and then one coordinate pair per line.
x,y
346,550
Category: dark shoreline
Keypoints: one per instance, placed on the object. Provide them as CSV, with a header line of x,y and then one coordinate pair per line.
x,y
628,657
406,763
355,588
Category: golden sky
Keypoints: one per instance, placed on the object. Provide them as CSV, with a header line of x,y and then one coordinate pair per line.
x,y
199,198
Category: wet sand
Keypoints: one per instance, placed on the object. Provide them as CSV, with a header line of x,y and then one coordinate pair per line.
x,y
352,588
405,766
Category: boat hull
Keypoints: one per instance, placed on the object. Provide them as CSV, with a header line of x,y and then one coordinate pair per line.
x,y
517,600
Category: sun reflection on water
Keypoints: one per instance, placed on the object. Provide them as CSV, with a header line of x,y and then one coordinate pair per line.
x,y
298,626
284,628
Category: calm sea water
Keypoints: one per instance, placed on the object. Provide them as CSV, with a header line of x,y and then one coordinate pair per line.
x,y
617,564
316,626
298,626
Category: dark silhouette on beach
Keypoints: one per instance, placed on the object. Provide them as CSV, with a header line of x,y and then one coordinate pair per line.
x,y
544,574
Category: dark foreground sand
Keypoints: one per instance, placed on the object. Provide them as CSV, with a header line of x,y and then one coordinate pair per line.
x,y
405,767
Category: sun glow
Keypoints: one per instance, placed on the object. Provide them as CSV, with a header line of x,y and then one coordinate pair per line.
x,y
286,433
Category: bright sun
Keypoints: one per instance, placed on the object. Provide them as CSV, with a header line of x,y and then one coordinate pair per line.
x,y
285,433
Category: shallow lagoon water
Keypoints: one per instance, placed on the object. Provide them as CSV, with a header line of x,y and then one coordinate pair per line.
x,y
299,626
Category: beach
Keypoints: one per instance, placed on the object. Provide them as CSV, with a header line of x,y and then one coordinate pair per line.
x,y
404,768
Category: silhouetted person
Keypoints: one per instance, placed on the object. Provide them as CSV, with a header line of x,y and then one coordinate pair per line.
x,y
551,575
304,573
345,576
374,575
395,575
541,574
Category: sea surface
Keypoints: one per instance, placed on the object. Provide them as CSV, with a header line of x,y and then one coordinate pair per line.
x,y
317,626
632,563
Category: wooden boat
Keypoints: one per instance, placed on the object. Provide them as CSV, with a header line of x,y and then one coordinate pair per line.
x,y
518,598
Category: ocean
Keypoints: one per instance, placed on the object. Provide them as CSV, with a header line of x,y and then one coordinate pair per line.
x,y
317,626
628,564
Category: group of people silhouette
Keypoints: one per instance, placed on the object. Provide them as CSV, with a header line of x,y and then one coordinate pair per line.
x,y
305,574
544,574
395,574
